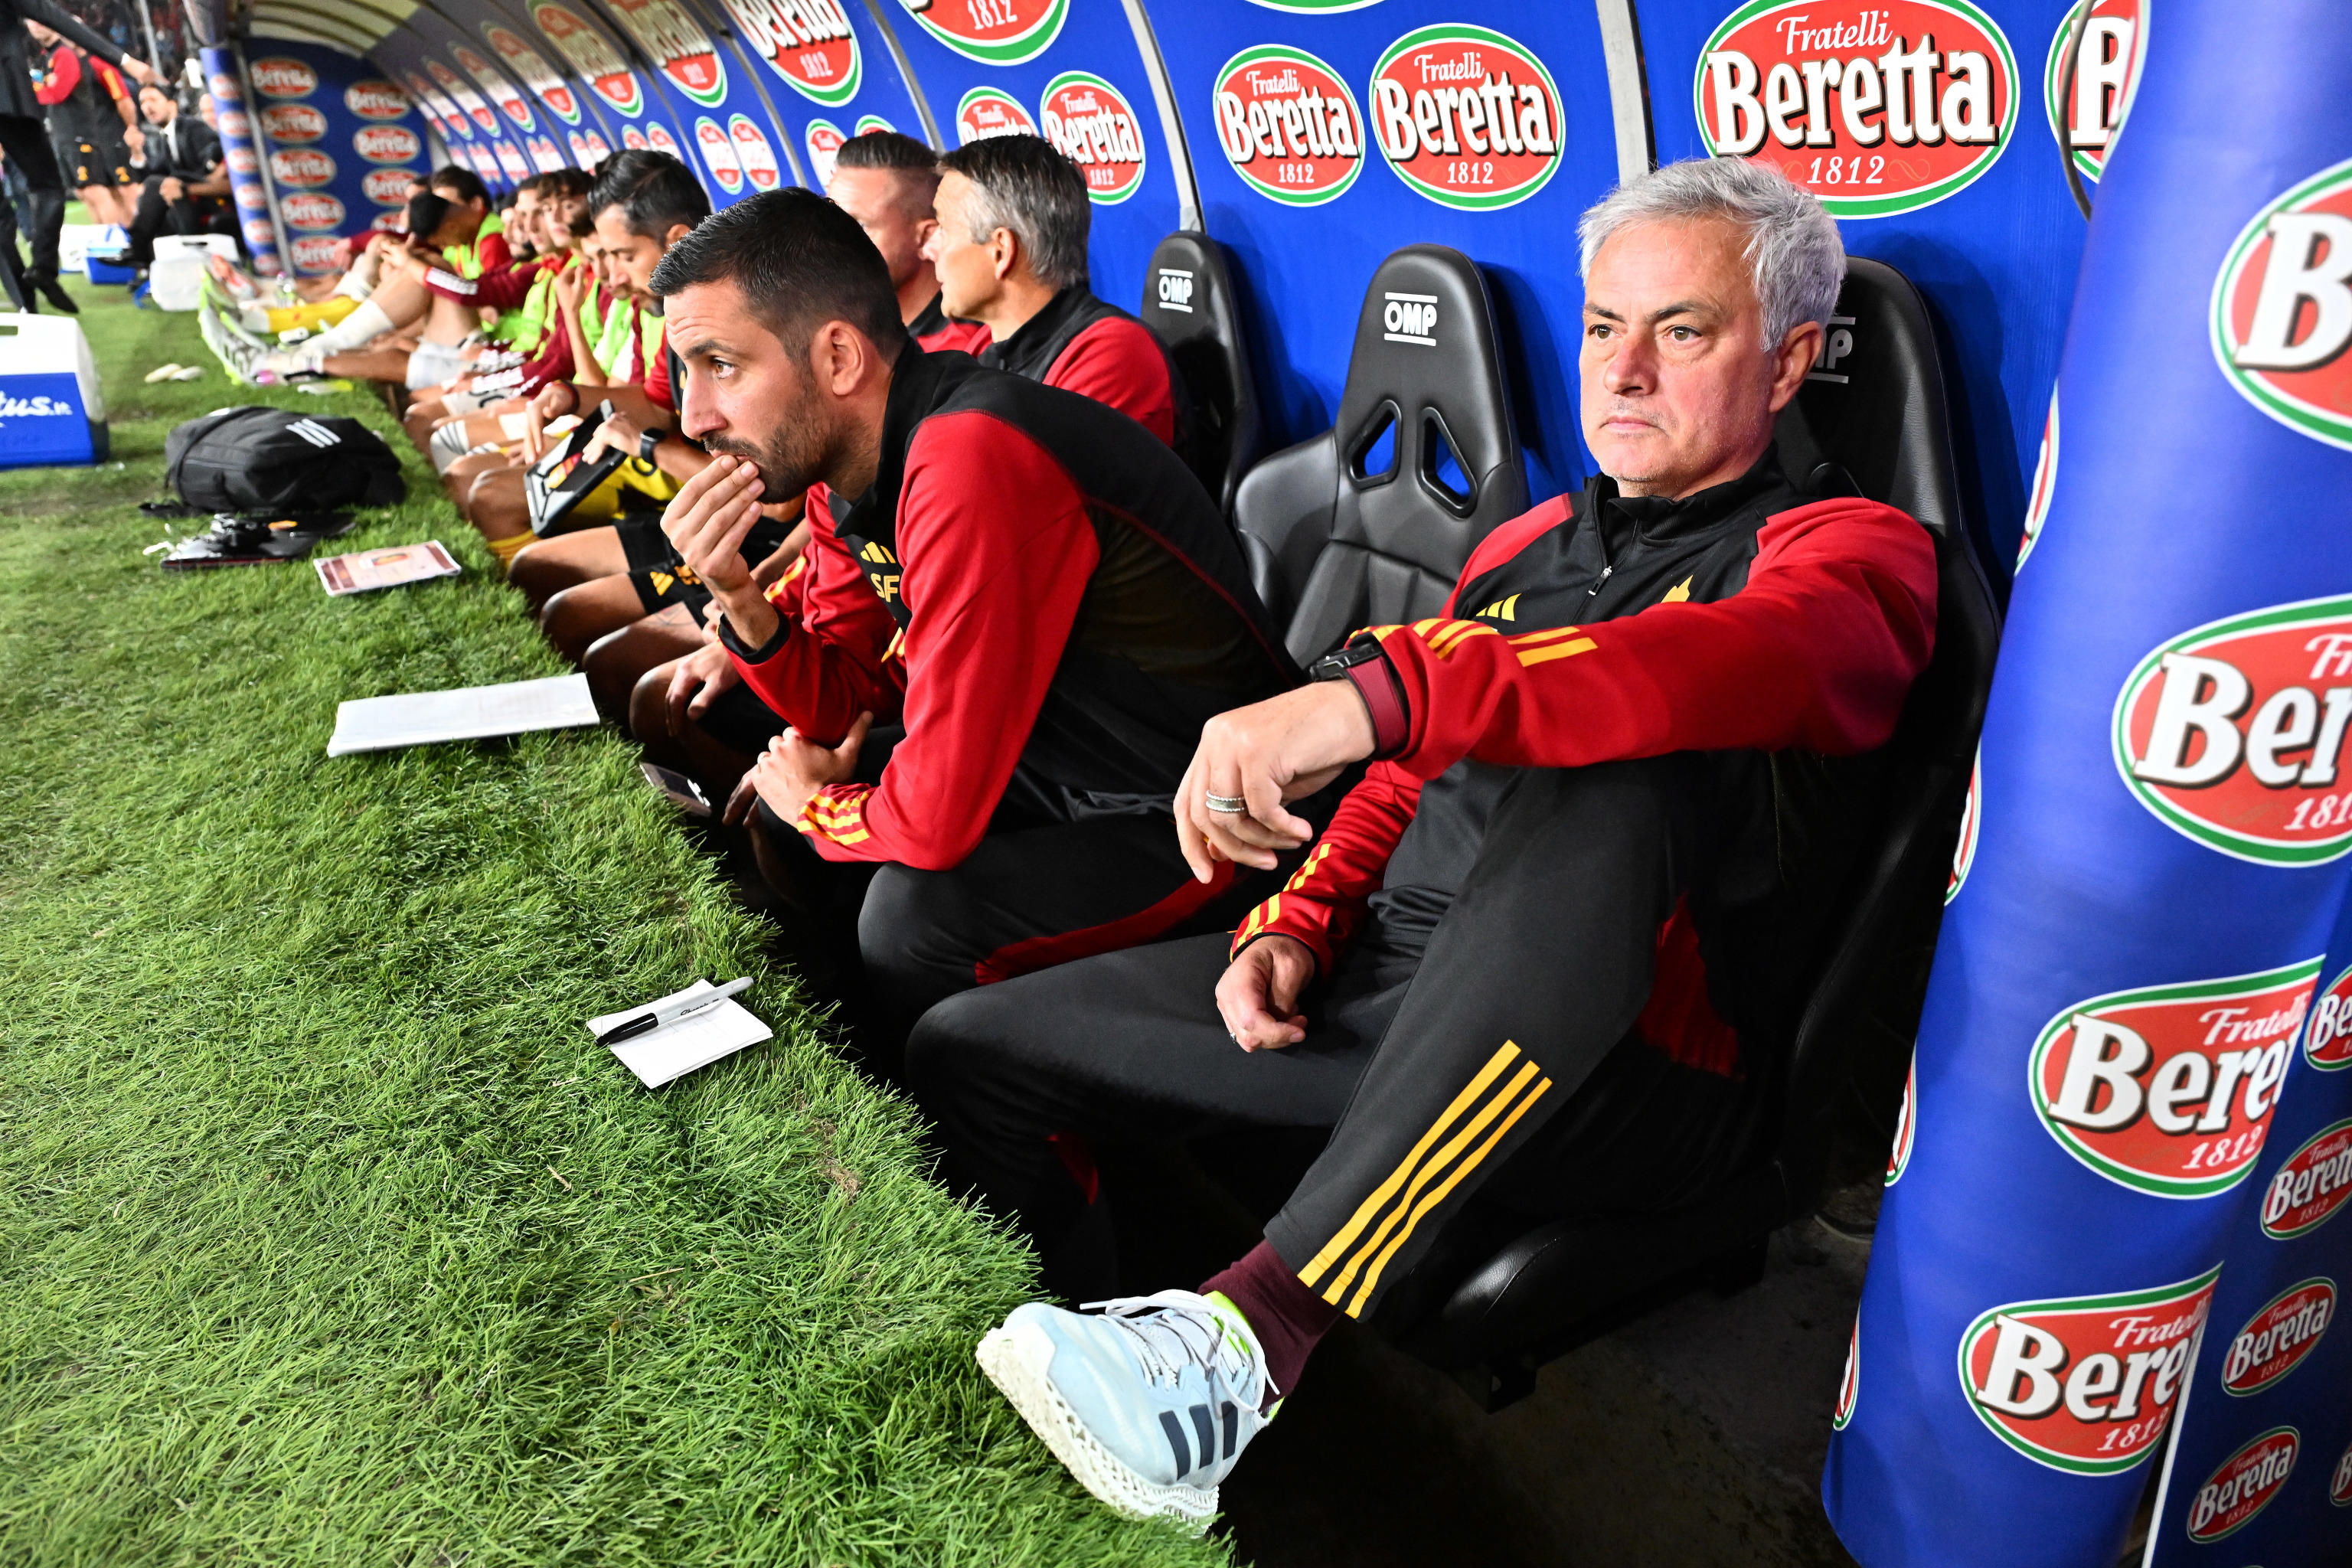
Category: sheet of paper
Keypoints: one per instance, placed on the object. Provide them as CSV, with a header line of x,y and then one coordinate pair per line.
x,y
467,713
689,1043
372,569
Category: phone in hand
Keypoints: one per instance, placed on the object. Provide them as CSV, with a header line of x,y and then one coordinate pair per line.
x,y
683,791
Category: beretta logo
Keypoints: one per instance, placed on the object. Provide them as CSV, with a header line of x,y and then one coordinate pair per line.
x,y
2170,1089
293,122
385,187
303,168
582,154
2045,480
253,198
1467,117
677,45
444,115
234,124
2276,1339
545,155
537,74
659,138
2106,68
809,43
2086,1385
224,89
2307,1190
2283,309
278,77
1849,1385
264,241
476,106
1288,125
511,160
387,144
758,159
312,209
988,111
1906,1125
1964,848
632,137
512,104
245,161
719,154
594,55
1092,124
2328,1038
1875,109
2232,732
2339,1485
315,253
2243,1485
823,139
376,100
996,32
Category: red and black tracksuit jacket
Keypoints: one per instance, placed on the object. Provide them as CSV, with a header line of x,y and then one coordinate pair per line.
x,y
1088,346
936,331
1038,590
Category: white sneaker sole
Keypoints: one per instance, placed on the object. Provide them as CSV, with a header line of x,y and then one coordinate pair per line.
x,y
1018,1358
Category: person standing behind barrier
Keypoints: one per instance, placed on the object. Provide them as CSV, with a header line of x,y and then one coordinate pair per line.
x,y
26,142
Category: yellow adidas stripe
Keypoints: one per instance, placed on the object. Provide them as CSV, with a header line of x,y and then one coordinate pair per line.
x,y
1557,650
1550,634
1438,1195
1371,1207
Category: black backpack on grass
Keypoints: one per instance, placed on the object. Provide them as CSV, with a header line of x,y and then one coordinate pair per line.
x,y
256,459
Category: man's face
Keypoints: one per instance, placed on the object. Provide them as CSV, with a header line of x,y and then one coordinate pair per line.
x,y
745,393
1676,379
42,36
879,200
558,216
966,272
523,221
463,221
630,257
158,106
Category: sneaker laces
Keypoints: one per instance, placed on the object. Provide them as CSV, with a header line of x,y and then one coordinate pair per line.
x,y
1167,1336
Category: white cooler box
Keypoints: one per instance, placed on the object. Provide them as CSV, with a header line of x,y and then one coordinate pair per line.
x,y
177,280
50,408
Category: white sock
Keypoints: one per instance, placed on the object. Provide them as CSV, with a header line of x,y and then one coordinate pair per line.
x,y
359,281
354,331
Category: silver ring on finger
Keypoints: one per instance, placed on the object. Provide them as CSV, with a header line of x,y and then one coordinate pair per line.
x,y
1226,805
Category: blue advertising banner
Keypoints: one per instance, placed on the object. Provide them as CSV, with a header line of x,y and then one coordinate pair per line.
x,y
241,155
575,116
342,143
708,89
2118,1138
826,70
518,117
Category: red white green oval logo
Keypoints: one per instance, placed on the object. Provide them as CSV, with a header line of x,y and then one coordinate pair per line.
x,y
2107,55
1876,108
2085,1383
1906,1125
293,123
2232,732
994,32
2243,1485
303,168
537,74
462,93
1094,127
511,161
439,112
376,100
1964,850
867,122
1849,1384
278,77
512,104
824,140
386,187
2170,1089
2307,1189
2328,1038
988,111
632,137
809,43
1467,117
2339,1485
310,209
1288,125
2275,1340
2045,480
758,157
719,151
389,145
593,54
2283,309
678,46
659,138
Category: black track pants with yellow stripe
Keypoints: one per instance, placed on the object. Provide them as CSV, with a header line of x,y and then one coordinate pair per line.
x,y
1534,974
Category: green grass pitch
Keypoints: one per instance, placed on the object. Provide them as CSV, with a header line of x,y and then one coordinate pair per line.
x,y
326,1233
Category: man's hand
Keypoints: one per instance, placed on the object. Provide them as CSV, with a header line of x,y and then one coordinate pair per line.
x,y
555,400
172,190
136,140
618,433
791,769
697,679
139,70
708,520
1258,995
1266,754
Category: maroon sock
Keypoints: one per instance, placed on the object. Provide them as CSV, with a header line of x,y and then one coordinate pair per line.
x,y
1285,1316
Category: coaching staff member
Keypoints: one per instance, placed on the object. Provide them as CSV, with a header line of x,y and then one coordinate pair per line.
x,y
21,137
1549,953
1032,584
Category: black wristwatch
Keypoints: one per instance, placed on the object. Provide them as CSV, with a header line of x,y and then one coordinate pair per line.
x,y
1361,664
647,440
1336,665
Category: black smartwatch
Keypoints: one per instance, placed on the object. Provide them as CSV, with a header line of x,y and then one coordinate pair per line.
x,y
647,440
1336,665
1361,665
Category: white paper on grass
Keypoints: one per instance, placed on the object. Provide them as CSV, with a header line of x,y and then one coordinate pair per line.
x,y
690,1043
467,713
372,569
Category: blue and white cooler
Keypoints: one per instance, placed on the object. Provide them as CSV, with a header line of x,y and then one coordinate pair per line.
x,y
50,408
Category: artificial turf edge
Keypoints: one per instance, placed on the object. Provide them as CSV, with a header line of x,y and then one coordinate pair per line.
x,y
326,1233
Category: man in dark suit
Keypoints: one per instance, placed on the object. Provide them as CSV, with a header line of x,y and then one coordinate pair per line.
x,y
23,140
186,180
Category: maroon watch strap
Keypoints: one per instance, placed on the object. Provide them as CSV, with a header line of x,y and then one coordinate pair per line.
x,y
1375,682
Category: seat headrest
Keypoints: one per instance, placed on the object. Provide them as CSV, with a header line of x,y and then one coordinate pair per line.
x,y
1874,402
1187,300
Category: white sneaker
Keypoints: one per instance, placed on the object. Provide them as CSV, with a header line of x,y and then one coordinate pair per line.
x,y
1146,1404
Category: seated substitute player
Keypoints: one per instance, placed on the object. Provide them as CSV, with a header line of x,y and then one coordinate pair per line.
x,y
1033,585
1548,956
1009,248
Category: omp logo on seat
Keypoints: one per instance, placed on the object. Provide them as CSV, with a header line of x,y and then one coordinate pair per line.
x,y
1175,291
1411,319
318,435
1836,344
